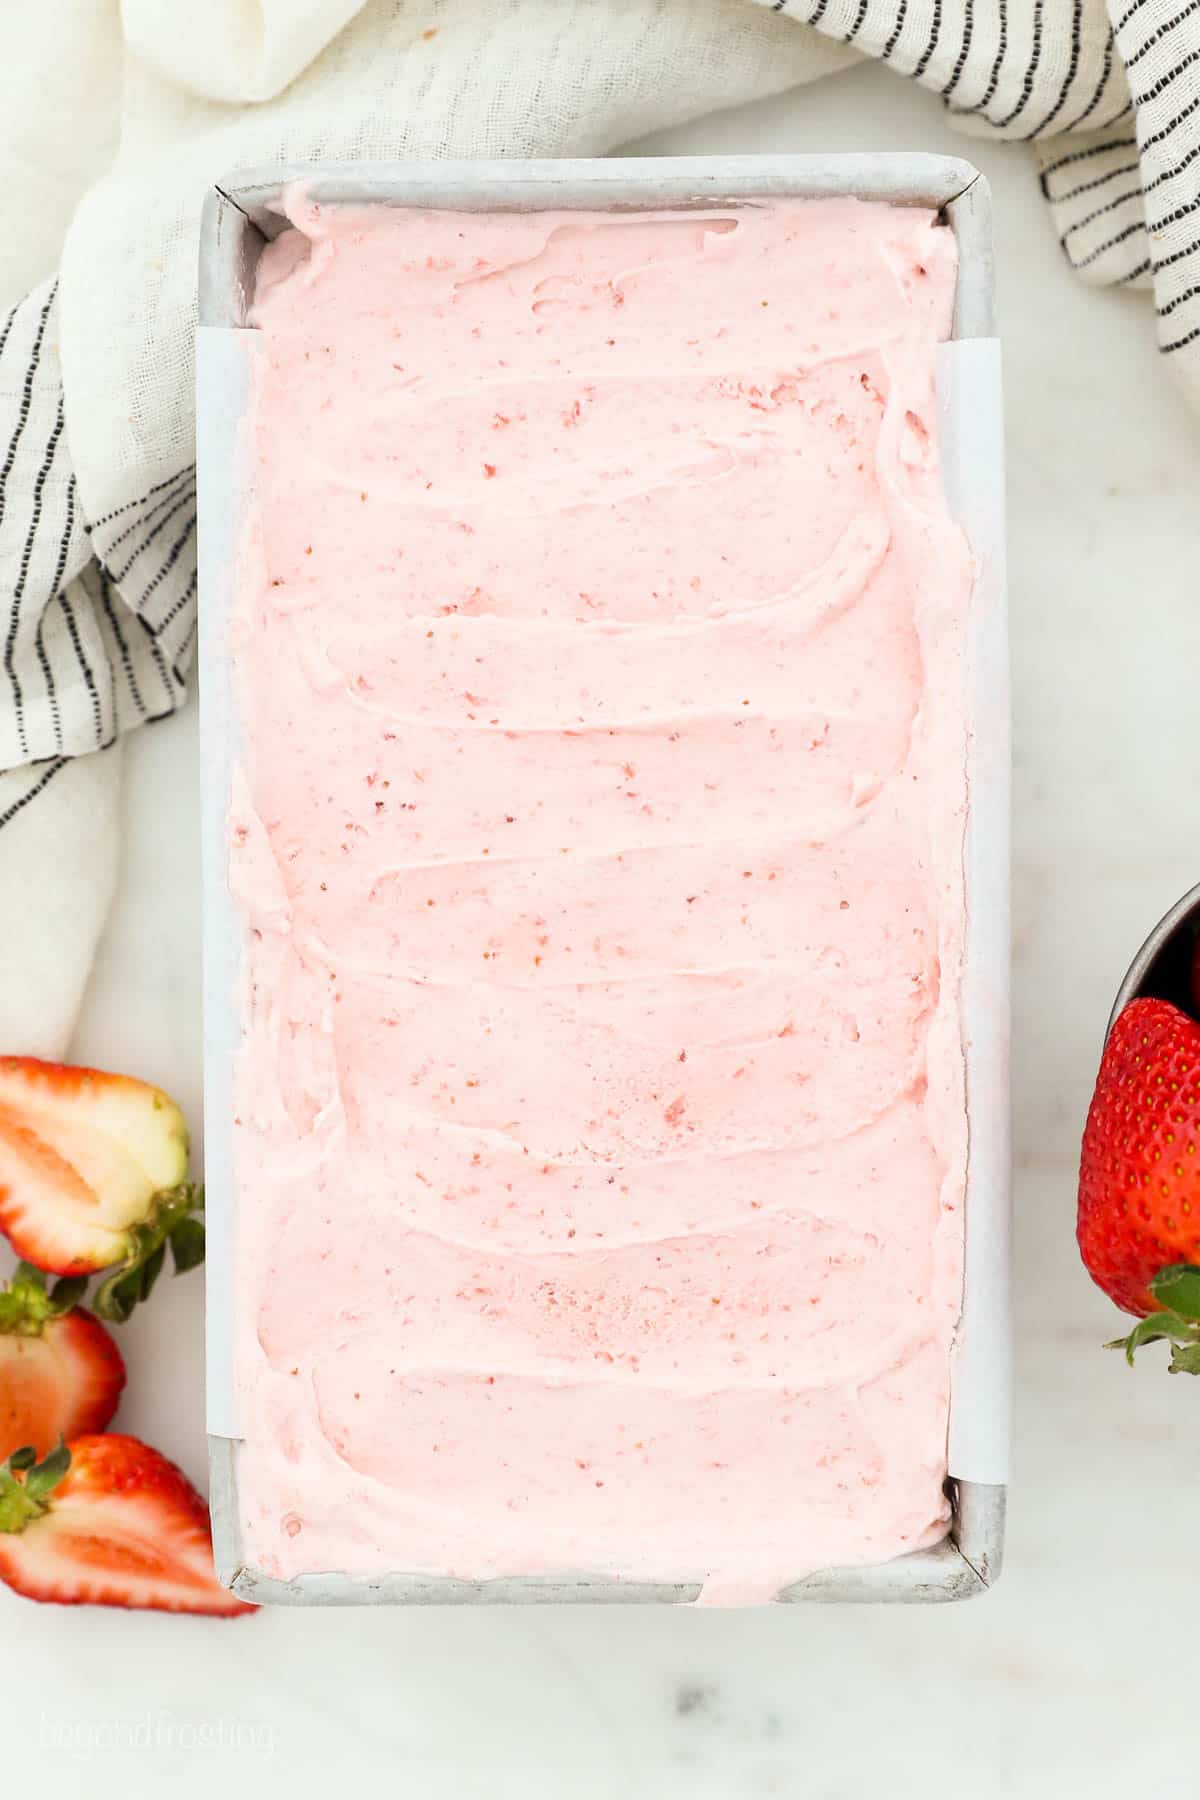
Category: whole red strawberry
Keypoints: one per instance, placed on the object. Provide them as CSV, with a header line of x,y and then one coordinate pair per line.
x,y
1139,1177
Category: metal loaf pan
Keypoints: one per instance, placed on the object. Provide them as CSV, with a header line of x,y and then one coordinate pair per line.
x,y
241,214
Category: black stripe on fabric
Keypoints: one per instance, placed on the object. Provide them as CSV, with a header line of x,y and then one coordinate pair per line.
x,y
1159,137
1157,35
1125,17
64,543
1164,81
177,607
172,558
26,397
39,787
1168,262
1181,343
964,50
8,325
183,649
64,548
160,663
897,28
180,475
935,30
1143,268
1088,187
113,736
18,593
1134,193
114,704
1173,218
122,647
177,505
858,22
48,678
84,664
1030,75
1101,85
1111,244
818,12
145,518
1084,155
994,77
1190,293
779,5
1173,171
1072,68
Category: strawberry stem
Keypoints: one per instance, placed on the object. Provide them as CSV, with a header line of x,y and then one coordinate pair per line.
x,y
1182,1334
25,1304
172,1221
1177,1290
25,1485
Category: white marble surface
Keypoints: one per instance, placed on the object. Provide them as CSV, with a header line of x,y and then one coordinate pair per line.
x,y
1043,1682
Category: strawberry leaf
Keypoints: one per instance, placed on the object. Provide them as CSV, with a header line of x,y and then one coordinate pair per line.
x,y
1185,1360
67,1293
131,1282
187,1245
45,1476
127,1286
152,1269
1178,1289
118,1294
1181,1332
23,1501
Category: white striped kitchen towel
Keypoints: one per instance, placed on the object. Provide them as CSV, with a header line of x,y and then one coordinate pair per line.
x,y
97,495
90,647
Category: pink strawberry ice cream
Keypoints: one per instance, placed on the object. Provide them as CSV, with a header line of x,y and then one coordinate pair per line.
x,y
601,1123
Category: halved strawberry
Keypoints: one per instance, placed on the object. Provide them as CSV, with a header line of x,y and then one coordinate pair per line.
x,y
107,1521
92,1173
61,1375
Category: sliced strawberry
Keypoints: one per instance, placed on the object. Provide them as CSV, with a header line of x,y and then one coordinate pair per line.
x,y
106,1521
61,1375
92,1173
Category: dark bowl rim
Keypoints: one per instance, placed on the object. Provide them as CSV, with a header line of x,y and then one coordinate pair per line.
x,y
1179,914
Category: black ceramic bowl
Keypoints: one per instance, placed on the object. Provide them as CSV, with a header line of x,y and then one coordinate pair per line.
x,y
1162,968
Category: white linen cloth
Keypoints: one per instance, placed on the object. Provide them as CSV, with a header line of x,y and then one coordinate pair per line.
x,y
97,498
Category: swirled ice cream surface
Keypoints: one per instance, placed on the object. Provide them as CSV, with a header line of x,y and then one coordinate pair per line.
x,y
597,838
